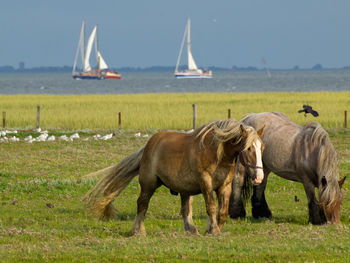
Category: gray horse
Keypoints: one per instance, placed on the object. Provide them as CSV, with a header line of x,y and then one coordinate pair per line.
x,y
301,154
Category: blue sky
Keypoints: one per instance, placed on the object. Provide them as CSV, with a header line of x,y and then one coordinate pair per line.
x,y
146,33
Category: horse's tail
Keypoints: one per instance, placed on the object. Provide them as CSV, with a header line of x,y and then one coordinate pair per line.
x,y
115,179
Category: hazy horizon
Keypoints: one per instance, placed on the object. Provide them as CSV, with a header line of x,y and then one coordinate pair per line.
x,y
145,34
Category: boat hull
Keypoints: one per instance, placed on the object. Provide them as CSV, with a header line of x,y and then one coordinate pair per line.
x,y
94,75
180,76
85,77
193,75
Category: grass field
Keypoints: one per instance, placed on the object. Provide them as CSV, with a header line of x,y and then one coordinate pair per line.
x,y
43,219
165,111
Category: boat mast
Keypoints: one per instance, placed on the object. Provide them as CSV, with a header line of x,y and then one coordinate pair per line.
x,y
181,48
188,42
96,51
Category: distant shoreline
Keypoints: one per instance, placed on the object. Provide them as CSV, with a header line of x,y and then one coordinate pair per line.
x,y
68,69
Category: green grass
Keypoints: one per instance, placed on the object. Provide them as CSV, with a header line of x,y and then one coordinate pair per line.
x,y
43,219
170,111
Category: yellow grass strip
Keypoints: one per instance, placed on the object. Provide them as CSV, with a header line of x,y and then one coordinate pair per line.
x,y
165,110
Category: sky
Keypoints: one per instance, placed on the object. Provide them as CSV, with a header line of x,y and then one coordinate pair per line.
x,y
224,33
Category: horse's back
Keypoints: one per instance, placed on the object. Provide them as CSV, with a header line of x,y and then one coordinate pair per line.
x,y
279,137
168,156
164,144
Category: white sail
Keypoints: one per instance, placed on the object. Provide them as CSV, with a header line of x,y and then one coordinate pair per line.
x,y
80,48
91,40
191,63
180,53
101,61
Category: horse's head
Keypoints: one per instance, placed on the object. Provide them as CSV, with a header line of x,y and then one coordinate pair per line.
x,y
332,210
250,154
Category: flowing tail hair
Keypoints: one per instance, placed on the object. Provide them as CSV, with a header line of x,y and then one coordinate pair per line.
x,y
115,179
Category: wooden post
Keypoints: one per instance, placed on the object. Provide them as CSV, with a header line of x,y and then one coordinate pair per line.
x,y
4,119
38,117
229,114
119,120
194,106
345,119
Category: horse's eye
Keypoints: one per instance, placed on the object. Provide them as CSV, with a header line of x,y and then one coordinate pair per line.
x,y
249,149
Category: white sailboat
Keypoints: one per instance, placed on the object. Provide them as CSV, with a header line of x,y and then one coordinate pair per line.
x,y
102,71
192,71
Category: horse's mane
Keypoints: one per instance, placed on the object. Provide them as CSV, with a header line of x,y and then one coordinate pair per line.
x,y
327,163
225,130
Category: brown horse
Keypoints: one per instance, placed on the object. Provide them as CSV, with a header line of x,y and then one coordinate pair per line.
x,y
301,154
203,161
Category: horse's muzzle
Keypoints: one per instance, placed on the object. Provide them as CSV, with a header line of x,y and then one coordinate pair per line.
x,y
259,177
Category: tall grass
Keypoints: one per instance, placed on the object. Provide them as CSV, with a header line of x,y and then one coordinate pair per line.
x,y
165,111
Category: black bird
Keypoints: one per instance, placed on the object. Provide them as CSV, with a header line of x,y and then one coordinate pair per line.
x,y
308,109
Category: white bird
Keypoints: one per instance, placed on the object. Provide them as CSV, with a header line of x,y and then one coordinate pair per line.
x,y
42,137
97,136
51,138
107,137
137,134
74,136
64,138
28,138
14,139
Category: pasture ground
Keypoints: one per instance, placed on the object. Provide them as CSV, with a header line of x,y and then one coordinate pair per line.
x,y
43,219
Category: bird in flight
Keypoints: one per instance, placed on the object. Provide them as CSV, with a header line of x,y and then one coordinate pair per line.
x,y
308,109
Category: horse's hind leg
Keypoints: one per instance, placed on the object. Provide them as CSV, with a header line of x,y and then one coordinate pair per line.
x,y
223,195
186,212
148,186
207,191
259,204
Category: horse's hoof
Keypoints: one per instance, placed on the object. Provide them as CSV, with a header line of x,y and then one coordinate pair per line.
x,y
192,233
214,232
138,233
261,213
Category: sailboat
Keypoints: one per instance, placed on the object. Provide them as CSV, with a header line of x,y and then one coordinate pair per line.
x,y
102,71
192,70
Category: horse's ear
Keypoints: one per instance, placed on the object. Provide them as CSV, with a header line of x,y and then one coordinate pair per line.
x,y
261,131
244,132
341,182
324,181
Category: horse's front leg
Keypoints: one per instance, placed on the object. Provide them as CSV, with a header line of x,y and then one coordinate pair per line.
x,y
316,213
186,212
236,205
223,195
207,191
260,209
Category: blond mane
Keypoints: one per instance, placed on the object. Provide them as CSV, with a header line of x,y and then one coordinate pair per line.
x,y
223,131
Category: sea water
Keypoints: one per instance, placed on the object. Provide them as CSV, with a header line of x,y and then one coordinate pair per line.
x,y
156,82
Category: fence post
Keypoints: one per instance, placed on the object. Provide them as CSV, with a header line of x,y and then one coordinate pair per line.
x,y
4,119
38,117
345,119
229,114
119,120
194,106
